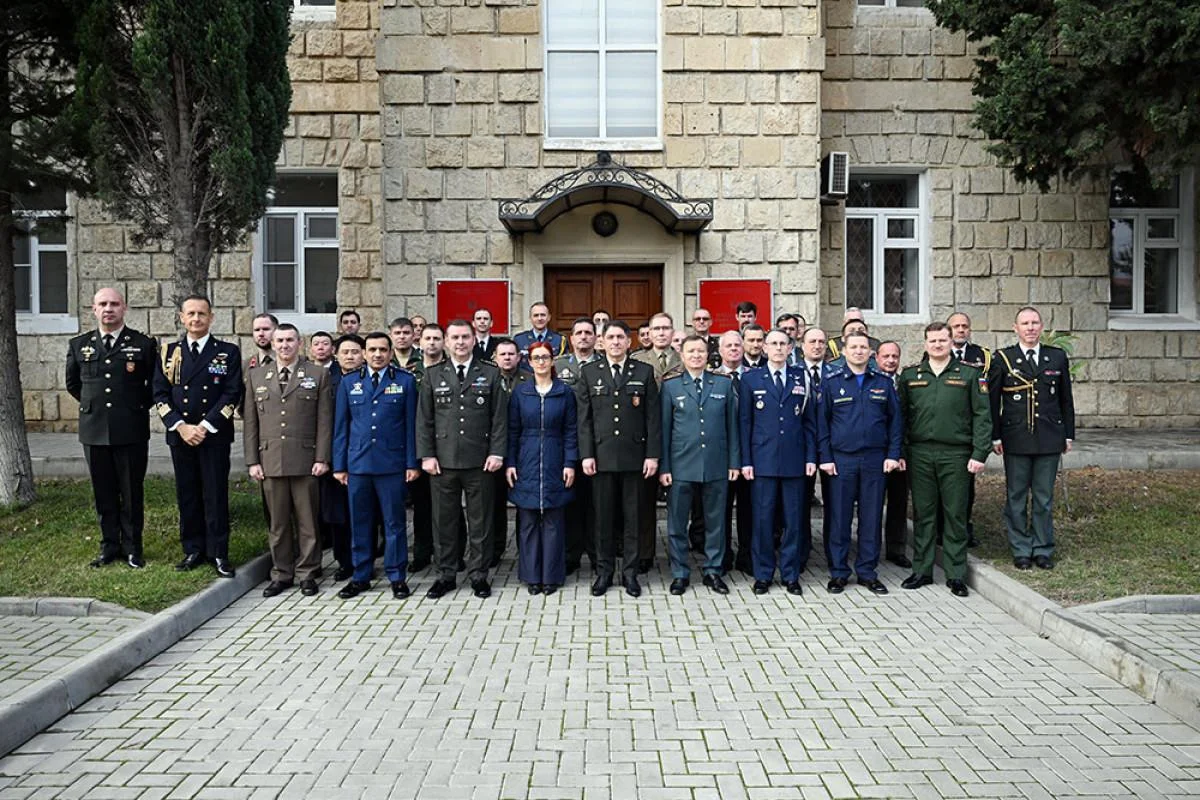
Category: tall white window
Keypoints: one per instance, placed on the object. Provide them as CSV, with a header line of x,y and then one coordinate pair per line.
x,y
297,245
1148,235
40,253
602,71
884,244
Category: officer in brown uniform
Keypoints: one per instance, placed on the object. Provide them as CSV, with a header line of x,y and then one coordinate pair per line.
x,y
287,439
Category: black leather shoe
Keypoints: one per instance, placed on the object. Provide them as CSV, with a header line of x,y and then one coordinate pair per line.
x,y
632,587
957,587
901,561
354,589
276,587
400,590
679,586
795,588
1023,562
136,562
645,565
481,588
103,560
761,587
224,567
308,587
441,587
1043,562
714,583
601,585
836,585
189,562
342,574
874,586
534,588
916,581
418,564
549,589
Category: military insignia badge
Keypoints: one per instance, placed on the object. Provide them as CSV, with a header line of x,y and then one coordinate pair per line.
x,y
311,383
87,351
268,376
130,366
637,401
479,400
796,410
356,388
760,405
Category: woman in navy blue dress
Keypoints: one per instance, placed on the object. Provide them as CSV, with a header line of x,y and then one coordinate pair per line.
x,y
543,450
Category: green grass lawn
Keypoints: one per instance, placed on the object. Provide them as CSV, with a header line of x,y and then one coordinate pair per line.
x,y
1127,533
45,548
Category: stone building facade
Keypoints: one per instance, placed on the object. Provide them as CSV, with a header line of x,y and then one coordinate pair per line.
x,y
432,115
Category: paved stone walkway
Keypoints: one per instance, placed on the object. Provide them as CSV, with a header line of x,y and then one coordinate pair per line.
x,y
32,648
917,694
1175,638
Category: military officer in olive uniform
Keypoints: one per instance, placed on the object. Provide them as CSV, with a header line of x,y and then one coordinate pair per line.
x,y
109,371
580,522
197,386
947,430
287,440
701,454
1033,424
462,433
620,439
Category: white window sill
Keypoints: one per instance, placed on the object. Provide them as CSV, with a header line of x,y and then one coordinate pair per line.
x,y
1151,322
881,320
916,15
614,145
314,14
36,324
308,324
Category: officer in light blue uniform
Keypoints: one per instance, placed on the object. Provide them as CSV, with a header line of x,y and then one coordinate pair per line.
x,y
539,318
859,440
375,455
700,454
778,410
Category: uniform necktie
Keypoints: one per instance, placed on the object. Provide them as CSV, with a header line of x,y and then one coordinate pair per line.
x,y
815,371
616,373
1032,356
778,382
662,362
374,380
462,374
697,382
284,374
108,341
958,353
195,349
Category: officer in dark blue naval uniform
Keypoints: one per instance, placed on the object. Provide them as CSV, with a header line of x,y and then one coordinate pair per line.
x,y
197,387
860,435
778,410
539,317
375,456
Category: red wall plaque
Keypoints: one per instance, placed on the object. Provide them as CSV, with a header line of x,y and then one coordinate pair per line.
x,y
460,299
721,296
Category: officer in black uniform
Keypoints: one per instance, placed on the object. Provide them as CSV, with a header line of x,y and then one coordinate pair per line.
x,y
197,385
620,440
109,371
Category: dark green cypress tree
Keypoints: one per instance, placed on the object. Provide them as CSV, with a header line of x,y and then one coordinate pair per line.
x,y
185,102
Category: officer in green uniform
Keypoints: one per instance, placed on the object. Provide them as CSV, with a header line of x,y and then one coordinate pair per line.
x,y
947,434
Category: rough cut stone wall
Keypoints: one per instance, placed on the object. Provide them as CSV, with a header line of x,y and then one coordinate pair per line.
x,y
463,128
334,125
896,93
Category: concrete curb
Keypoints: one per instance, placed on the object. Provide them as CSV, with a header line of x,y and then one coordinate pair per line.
x,y
65,607
1175,690
1145,604
38,706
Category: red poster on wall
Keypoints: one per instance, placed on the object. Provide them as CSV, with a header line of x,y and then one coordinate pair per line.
x,y
721,296
460,299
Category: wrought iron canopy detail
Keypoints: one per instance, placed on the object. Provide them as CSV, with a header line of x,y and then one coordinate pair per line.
x,y
605,181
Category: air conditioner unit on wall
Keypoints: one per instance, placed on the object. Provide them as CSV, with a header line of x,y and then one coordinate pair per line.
x,y
835,177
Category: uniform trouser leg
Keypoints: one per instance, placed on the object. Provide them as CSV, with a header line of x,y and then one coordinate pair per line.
x,y
214,472
793,505
341,545
871,485
446,496
806,536
580,522
118,474
390,491
839,510
696,524
940,480
499,516
422,503
541,546
617,495
477,486
647,521
293,538
189,494
1030,535
679,506
765,494
713,494
895,531
554,546
741,494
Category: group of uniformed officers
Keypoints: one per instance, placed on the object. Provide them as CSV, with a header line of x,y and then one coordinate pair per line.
x,y
343,438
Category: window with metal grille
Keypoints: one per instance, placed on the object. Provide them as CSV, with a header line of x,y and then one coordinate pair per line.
x,y
884,248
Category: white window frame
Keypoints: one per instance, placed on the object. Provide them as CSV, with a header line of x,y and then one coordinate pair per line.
x,y
303,12
890,4
920,243
35,321
307,323
1185,317
647,143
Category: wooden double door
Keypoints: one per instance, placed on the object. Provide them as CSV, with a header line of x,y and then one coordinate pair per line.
x,y
628,293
